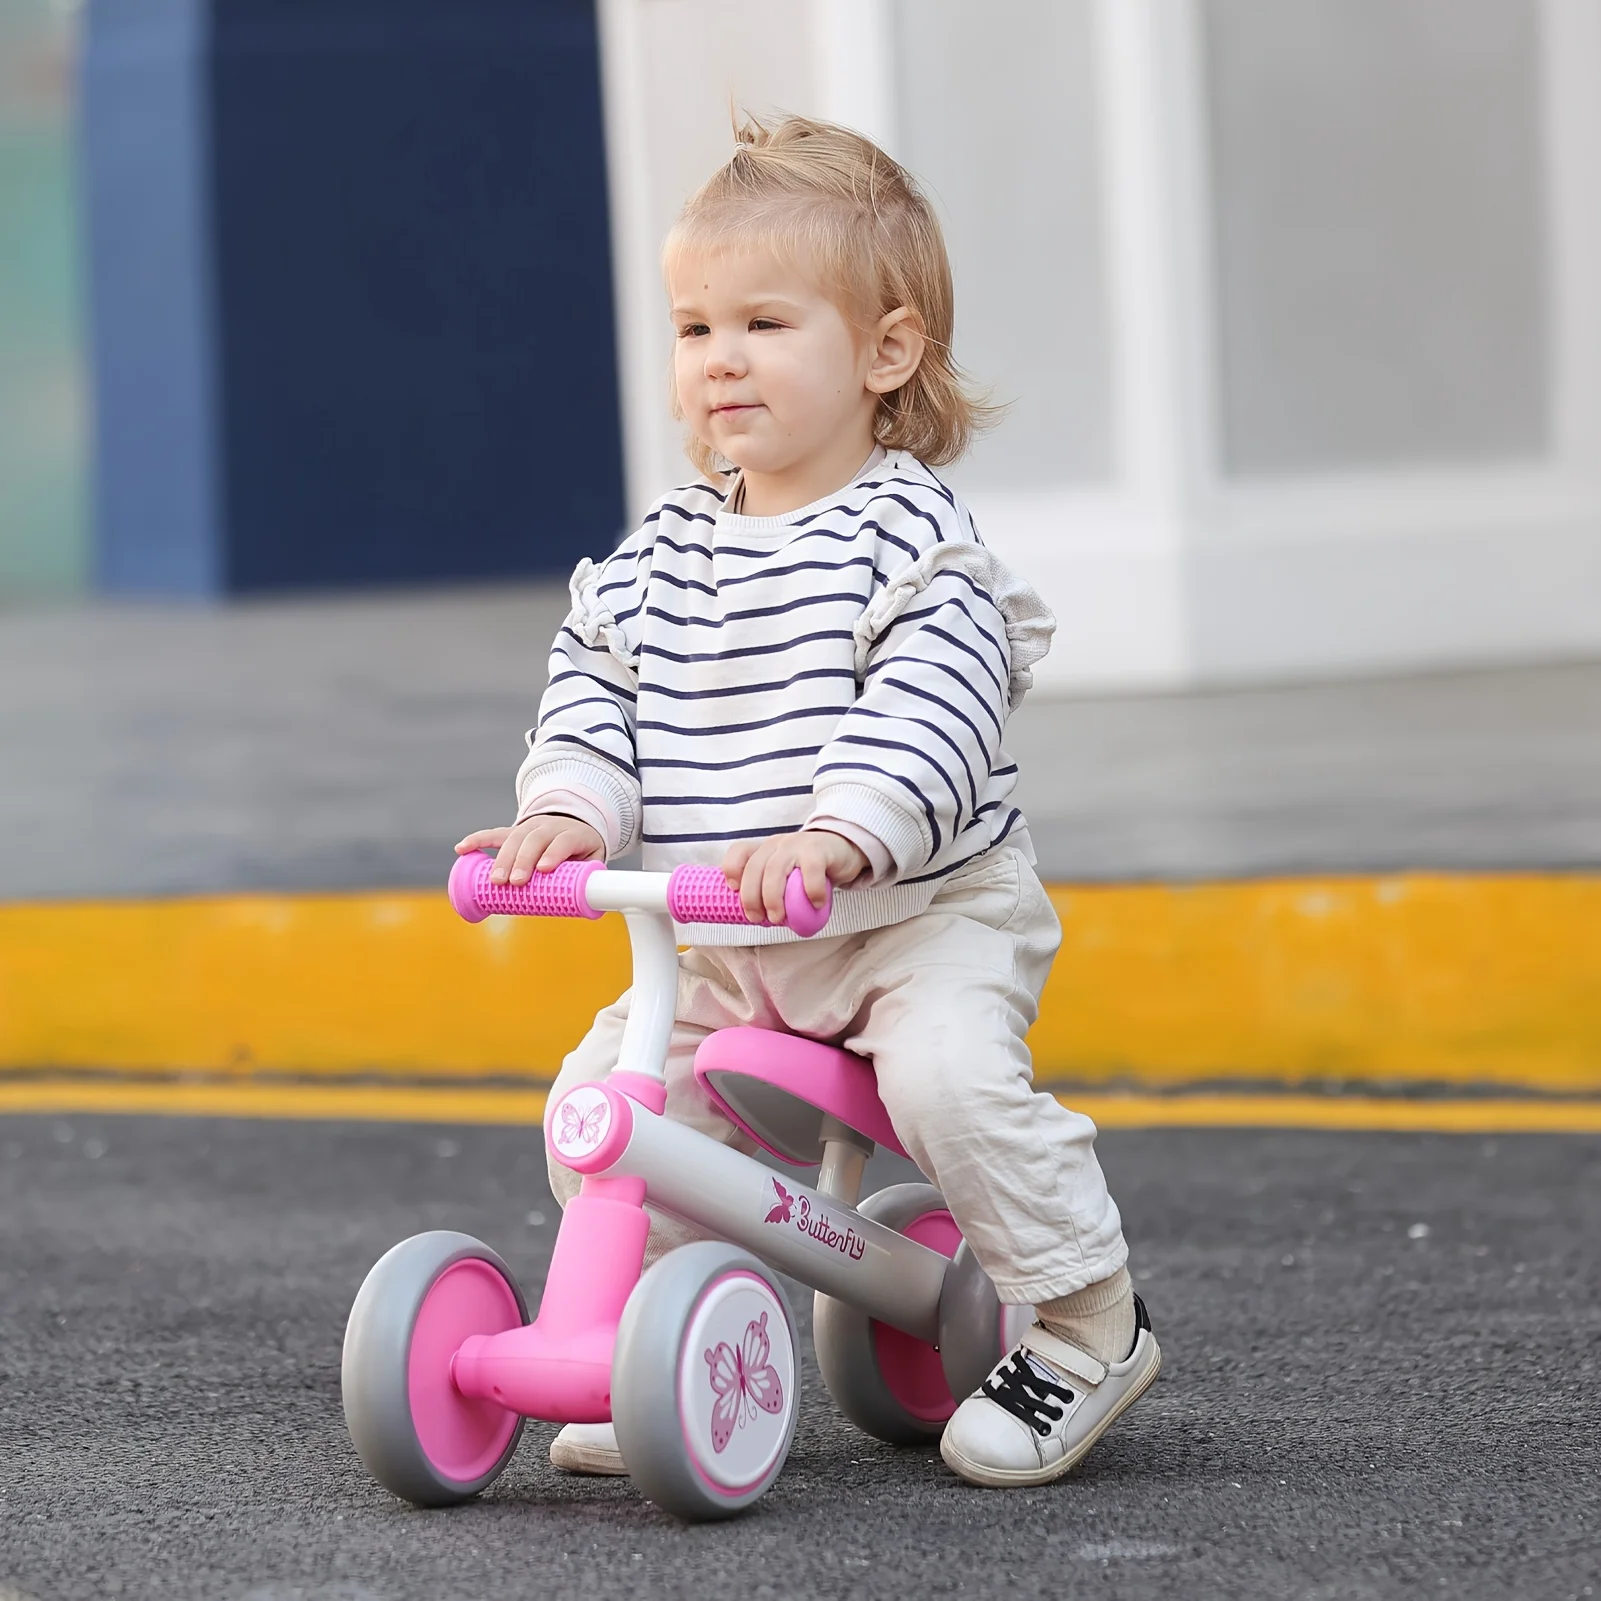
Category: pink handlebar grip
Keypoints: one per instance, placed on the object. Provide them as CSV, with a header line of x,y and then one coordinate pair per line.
x,y
702,895
558,893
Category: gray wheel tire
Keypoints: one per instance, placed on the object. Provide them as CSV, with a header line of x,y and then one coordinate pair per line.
x,y
690,1311
975,1328
847,1345
375,1370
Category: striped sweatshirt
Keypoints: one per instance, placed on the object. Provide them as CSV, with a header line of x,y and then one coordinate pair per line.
x,y
848,665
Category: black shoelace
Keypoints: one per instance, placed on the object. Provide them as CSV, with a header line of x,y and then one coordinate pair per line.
x,y
1018,1388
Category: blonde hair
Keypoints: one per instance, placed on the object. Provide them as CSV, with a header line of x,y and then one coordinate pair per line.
x,y
835,203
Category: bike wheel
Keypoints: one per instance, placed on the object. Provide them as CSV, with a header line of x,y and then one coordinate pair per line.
x,y
705,1381
418,1436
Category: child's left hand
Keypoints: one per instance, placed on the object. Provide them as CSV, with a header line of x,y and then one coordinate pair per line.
x,y
759,868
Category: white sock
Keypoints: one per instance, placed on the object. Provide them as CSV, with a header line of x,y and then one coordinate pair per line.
x,y
1098,1319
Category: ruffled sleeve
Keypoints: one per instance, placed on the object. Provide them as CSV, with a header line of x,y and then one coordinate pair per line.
x,y
1028,622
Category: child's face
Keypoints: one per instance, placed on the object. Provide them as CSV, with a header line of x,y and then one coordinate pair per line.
x,y
769,372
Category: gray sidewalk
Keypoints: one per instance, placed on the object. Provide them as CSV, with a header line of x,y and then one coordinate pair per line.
x,y
159,749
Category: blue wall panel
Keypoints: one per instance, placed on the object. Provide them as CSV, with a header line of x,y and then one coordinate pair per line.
x,y
411,371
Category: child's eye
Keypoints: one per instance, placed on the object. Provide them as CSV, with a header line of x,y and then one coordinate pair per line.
x,y
762,324
692,330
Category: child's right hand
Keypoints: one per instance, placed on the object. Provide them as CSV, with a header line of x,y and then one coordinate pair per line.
x,y
535,845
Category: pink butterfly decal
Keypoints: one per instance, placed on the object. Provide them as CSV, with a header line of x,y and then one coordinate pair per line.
x,y
743,1380
786,1205
584,1130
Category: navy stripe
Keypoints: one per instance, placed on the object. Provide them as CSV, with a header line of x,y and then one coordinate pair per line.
x,y
566,630
683,550
894,539
748,689
849,537
597,700
860,511
659,511
589,678
890,658
933,728
749,612
920,693
950,638
723,836
728,800
649,547
956,866
658,576
745,728
905,783
936,485
563,737
950,672
945,872
939,484
802,567
898,744
745,650
699,487
723,767
978,589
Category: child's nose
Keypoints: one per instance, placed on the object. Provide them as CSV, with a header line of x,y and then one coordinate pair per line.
x,y
725,358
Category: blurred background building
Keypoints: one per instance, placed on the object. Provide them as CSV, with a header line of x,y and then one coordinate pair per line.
x,y
1297,304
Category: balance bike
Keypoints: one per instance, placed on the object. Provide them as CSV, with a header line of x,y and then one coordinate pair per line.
x,y
696,1361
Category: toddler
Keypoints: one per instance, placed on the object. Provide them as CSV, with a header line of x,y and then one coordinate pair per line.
x,y
806,660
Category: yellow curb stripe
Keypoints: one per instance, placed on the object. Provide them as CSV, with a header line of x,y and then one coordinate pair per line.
x,y
469,1104
1437,979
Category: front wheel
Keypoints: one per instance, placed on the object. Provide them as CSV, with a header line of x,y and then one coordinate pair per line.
x,y
416,1433
705,1380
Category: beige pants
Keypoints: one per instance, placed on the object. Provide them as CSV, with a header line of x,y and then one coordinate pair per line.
x,y
940,1004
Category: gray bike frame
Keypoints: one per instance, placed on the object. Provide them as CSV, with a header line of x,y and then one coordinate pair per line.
x,y
815,1235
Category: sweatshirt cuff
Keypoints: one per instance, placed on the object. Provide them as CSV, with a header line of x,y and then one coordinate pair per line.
x,y
880,864
584,804
595,786
902,833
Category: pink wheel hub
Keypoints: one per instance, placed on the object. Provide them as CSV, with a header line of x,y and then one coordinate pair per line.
x,y
911,1368
462,1438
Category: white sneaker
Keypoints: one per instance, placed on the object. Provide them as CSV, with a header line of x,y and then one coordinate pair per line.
x,y
1044,1405
588,1448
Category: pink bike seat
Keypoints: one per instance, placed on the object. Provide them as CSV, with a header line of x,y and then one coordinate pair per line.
x,y
778,1088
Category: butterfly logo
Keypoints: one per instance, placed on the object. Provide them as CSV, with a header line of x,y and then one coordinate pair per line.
x,y
744,1380
785,1208
581,1128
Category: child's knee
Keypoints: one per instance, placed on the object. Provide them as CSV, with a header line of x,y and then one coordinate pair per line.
x,y
563,1181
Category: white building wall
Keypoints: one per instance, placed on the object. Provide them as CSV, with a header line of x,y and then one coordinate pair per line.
x,y
1297,306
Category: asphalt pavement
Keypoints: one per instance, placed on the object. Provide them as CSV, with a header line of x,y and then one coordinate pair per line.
x,y
1383,1378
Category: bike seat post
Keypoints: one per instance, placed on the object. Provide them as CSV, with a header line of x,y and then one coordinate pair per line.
x,y
845,1154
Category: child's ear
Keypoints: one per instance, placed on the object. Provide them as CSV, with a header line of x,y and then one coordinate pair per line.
x,y
897,351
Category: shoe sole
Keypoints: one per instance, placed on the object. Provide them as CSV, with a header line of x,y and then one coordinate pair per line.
x,y
587,1460
1010,1478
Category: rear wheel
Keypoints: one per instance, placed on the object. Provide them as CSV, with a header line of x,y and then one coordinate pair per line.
x,y
889,1383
